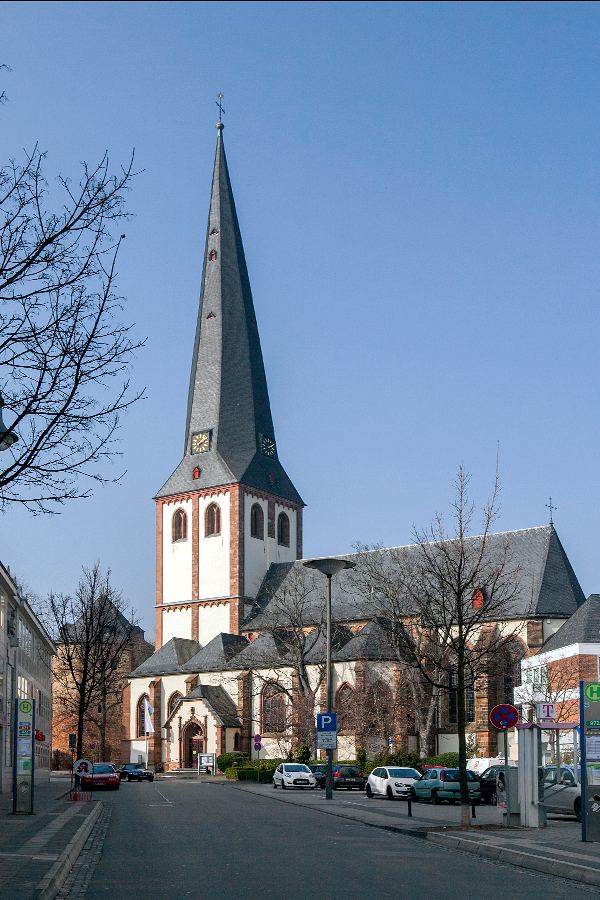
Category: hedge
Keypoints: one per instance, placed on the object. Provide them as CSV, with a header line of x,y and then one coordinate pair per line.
x,y
227,760
250,774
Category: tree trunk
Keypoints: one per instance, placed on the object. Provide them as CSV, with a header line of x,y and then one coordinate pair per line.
x,y
465,807
102,729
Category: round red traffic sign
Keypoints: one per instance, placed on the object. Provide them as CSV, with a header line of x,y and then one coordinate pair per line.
x,y
257,737
504,716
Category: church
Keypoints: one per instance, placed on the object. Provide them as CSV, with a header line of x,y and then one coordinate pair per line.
x,y
231,588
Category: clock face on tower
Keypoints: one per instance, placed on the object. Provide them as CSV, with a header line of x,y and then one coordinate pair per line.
x,y
201,442
267,446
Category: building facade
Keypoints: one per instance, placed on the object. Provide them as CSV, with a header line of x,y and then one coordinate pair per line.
x,y
26,653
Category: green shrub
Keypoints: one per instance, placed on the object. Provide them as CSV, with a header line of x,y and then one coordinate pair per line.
x,y
407,758
228,760
250,774
302,754
361,759
450,760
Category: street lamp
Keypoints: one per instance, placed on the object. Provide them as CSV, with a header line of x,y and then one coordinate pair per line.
x,y
329,566
7,439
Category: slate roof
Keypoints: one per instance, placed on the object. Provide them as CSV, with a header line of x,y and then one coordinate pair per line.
x,y
548,586
369,643
228,393
217,654
582,628
168,659
219,702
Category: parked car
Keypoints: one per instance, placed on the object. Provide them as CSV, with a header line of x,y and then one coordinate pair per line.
x,y
392,782
294,775
135,772
348,777
443,784
103,775
320,773
487,782
562,796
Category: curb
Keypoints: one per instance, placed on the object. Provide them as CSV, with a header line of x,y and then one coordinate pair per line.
x,y
572,871
52,882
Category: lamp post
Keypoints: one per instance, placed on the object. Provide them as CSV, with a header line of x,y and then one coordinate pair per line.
x,y
329,566
7,438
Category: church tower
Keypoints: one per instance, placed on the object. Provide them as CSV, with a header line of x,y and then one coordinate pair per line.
x,y
229,509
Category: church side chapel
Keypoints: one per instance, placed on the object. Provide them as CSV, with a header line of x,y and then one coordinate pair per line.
x,y
240,643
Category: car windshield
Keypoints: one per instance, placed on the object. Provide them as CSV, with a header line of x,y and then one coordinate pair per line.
x,y
298,768
103,770
348,770
403,773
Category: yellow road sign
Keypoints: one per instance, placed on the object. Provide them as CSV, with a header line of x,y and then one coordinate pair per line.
x,y
25,705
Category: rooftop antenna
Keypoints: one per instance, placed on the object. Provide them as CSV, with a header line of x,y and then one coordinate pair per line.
x,y
220,105
551,507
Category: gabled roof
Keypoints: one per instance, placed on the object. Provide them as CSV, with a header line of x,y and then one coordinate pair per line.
x,y
168,659
228,394
261,653
217,654
369,643
218,702
548,586
582,628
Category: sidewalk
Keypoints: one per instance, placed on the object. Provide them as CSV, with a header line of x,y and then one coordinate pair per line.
x,y
555,850
37,852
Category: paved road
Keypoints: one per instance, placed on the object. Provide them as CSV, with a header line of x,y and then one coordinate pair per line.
x,y
202,840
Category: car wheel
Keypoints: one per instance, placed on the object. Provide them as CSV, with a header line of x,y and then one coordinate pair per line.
x,y
413,795
129,778
435,798
274,785
369,792
151,779
577,809
389,793
283,787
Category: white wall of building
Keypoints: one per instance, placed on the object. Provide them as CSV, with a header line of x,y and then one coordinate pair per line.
x,y
212,620
213,552
177,557
176,623
260,553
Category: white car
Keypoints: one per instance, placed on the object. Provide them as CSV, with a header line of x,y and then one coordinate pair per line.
x,y
294,775
392,782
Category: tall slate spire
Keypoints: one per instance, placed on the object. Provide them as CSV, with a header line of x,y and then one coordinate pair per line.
x,y
228,400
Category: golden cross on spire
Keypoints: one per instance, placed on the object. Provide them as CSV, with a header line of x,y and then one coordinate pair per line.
x,y
220,105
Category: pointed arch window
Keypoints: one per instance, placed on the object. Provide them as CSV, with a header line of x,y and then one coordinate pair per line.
x,y
257,522
345,707
173,701
212,520
212,255
179,525
283,530
273,709
140,718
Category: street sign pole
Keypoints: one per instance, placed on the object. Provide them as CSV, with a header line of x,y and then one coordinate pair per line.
x,y
503,717
257,747
329,753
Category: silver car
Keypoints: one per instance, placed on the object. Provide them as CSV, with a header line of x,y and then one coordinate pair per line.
x,y
562,795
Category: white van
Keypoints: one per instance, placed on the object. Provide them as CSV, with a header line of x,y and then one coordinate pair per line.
x,y
480,764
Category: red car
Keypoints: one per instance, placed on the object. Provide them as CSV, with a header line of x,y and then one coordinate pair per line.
x,y
104,775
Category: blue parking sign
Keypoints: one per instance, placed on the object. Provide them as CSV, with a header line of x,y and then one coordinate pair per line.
x,y
326,721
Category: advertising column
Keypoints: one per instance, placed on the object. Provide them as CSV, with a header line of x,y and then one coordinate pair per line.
x,y
24,756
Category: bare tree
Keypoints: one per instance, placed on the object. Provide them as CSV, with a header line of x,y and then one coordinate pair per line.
x,y
291,652
64,353
92,635
446,605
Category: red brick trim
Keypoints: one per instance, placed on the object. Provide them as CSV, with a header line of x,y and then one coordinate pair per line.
x,y
125,728
194,626
299,533
271,519
266,495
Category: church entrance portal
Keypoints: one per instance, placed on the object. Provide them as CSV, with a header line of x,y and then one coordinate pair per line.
x,y
193,745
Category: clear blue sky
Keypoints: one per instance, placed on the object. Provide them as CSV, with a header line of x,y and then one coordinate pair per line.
x,y
417,186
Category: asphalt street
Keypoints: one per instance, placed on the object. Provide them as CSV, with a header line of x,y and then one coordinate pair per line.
x,y
199,839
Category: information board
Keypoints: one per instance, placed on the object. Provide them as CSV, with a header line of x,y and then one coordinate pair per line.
x,y
23,756
589,696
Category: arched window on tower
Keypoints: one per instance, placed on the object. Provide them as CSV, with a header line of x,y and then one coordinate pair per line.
x,y
212,520
257,522
273,709
140,718
179,525
283,530
345,708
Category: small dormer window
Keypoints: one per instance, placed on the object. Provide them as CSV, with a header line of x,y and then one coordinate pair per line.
x,y
214,231
212,255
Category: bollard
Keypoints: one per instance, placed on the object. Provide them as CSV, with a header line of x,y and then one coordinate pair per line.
x,y
473,809
409,805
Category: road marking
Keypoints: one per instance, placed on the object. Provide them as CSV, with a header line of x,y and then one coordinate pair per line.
x,y
166,799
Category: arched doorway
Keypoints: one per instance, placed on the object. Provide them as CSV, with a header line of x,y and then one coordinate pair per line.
x,y
193,744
